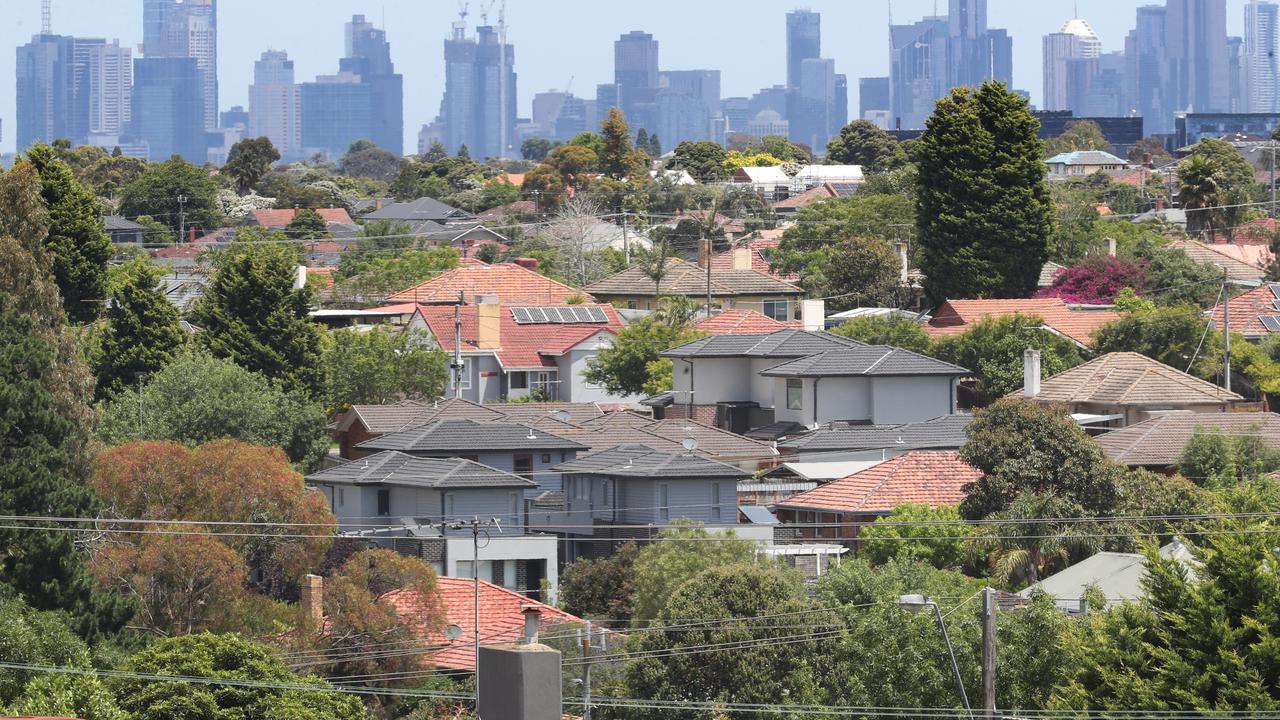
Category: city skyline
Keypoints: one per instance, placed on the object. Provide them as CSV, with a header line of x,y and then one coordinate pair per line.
x,y
532,33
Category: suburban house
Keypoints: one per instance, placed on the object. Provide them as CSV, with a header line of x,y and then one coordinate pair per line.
x,y
337,219
1083,162
771,181
1254,314
364,422
183,286
508,446
123,230
730,289
745,382
398,500
673,436
1240,262
1115,576
920,477
1121,389
423,212
750,254
812,176
787,207
742,322
955,316
513,284
852,441
1157,444
511,352
504,614
635,485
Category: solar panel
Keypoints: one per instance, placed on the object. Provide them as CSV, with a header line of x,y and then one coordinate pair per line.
x,y
1271,323
521,315
537,315
568,315
1276,304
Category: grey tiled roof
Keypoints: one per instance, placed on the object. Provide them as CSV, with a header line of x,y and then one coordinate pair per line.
x,y
642,461
876,360
412,413
685,278
1159,442
942,433
781,344
1129,379
462,435
394,468
419,210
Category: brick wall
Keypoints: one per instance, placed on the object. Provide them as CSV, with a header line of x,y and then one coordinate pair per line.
x,y
701,413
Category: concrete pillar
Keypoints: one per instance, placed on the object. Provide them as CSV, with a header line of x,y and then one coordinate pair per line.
x,y
519,682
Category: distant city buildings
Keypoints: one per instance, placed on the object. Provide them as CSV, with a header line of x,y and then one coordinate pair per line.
x,y
1260,56
168,107
186,28
479,106
275,104
364,100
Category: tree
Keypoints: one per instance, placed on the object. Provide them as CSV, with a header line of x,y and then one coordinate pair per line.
x,y
1143,493
197,399
249,161
703,160
307,225
364,159
618,159
601,589
178,194
535,149
44,420
545,185
862,142
379,367
893,329
251,313
652,261
1096,280
1078,135
574,161
259,684
993,348
1149,145
628,366
374,276
854,272
142,334
762,660
1216,460
1218,191
1175,279
677,555
1201,195
1175,336
77,242
1038,534
983,214
934,540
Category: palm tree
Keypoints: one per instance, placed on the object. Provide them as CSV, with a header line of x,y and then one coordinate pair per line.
x,y
653,263
1034,540
1201,193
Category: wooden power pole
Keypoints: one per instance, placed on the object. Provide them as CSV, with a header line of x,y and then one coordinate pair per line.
x,y
989,654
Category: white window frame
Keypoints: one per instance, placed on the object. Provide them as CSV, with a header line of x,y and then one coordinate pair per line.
x,y
786,309
715,501
664,502
587,362
796,384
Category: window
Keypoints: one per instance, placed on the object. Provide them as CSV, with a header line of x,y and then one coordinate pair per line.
x,y
664,498
589,362
715,501
513,508
342,497
522,465
519,380
546,458
795,394
466,569
449,505
776,309
384,502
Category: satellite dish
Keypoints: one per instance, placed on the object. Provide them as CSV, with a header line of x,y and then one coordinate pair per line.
x,y
900,441
562,415
689,444
453,632
530,436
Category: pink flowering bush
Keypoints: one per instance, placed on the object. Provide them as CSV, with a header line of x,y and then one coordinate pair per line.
x,y
1096,280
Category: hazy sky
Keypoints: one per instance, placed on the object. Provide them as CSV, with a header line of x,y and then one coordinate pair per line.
x,y
559,40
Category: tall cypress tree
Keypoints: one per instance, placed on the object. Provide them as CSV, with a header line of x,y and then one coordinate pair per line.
x,y
77,240
143,331
983,213
44,419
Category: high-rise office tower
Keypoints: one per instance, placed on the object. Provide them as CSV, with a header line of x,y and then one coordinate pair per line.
x,y
1076,41
275,107
804,42
976,52
1236,80
918,70
1146,52
687,102
168,107
363,101
635,75
479,106
186,28
1196,47
110,73
368,56
873,95
1260,56
813,104
56,87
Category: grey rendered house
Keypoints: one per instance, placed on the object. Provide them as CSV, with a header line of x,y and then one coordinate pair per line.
x,y
512,447
398,500
632,491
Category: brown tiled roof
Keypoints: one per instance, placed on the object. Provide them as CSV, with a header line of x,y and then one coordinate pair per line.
x,y
685,278
742,322
921,477
759,249
1236,268
805,198
954,316
1126,378
1159,442
1248,309
521,345
275,219
407,414
513,284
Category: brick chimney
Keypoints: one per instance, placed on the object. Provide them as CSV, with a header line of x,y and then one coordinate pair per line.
x,y
1030,373
313,598
527,263
742,258
488,322
191,236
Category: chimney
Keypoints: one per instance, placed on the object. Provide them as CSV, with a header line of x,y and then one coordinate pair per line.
x,y
527,263
1159,202
530,613
313,598
191,235
1111,247
300,278
813,315
742,258
1030,373
488,322
903,262
704,253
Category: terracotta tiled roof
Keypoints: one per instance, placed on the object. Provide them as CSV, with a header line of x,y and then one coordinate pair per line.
x,y
742,322
1130,379
922,477
1159,442
502,212
514,285
521,345
805,198
1224,256
1249,309
685,278
275,219
501,618
760,249
954,316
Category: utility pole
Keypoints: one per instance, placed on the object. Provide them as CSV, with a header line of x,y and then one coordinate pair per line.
x,y
457,347
989,653
182,219
626,242
586,672
707,242
1226,331
477,526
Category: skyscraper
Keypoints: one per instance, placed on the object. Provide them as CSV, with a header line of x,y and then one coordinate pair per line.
x,y
1146,52
479,106
110,70
635,73
1260,56
168,107
186,28
813,104
275,107
804,42
1076,41
1196,46
687,101
976,53
918,70
368,56
873,95
47,103
363,101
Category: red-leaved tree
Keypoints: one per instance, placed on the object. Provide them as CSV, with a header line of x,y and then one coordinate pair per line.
x,y
1096,280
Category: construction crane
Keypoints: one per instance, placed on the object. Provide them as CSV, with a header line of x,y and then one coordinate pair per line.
x,y
460,27
46,17
484,12
504,132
